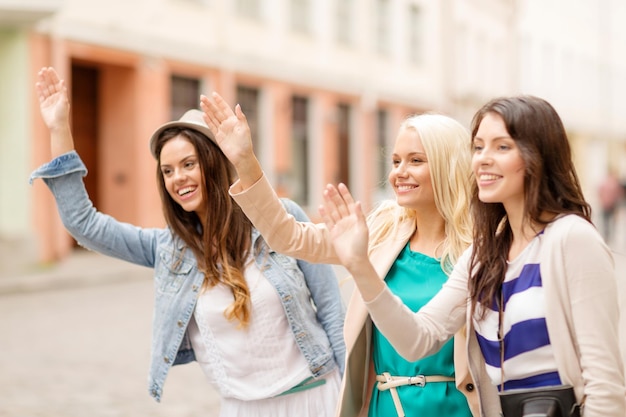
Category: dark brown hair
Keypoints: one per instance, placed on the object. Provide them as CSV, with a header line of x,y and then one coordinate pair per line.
x,y
221,245
551,186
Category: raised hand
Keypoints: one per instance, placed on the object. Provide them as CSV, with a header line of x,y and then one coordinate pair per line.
x,y
53,102
55,110
350,234
345,220
232,135
229,127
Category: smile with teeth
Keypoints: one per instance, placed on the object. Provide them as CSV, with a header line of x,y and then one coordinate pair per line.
x,y
406,187
186,190
488,177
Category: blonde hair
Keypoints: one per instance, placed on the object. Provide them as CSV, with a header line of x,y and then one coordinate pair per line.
x,y
447,146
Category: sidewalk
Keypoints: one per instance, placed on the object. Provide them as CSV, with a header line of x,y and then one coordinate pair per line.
x,y
81,268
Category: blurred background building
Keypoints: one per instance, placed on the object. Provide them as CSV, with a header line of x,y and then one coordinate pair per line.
x,y
324,85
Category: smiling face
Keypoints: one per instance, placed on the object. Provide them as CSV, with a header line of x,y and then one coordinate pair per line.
x,y
497,164
182,174
410,174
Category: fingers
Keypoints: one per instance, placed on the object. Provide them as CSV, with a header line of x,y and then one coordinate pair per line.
x,y
328,210
42,85
217,112
224,110
358,211
345,194
210,113
326,218
209,116
339,203
353,207
339,216
239,114
48,83
340,198
49,79
219,108
52,76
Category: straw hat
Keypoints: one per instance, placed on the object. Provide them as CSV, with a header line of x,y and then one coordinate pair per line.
x,y
192,119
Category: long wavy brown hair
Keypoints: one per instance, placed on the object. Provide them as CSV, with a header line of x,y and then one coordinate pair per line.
x,y
551,186
221,245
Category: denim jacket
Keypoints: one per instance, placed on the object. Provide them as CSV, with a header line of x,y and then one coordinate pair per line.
x,y
317,327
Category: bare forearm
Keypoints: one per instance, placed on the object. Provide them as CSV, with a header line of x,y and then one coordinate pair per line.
x,y
61,140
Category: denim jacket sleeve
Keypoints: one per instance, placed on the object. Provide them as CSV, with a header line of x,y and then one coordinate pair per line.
x,y
324,287
92,229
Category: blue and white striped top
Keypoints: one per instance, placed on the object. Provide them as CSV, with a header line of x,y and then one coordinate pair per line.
x,y
528,354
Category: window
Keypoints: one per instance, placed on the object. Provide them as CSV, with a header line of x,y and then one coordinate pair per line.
x,y
343,119
248,8
382,27
414,29
248,99
344,21
299,185
382,122
300,11
185,95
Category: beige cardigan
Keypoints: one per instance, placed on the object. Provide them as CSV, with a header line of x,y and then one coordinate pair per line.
x,y
582,318
311,242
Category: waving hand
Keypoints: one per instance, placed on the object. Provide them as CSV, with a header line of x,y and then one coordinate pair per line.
x,y
345,220
55,109
232,134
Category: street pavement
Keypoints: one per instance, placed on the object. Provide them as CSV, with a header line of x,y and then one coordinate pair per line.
x,y
76,342
76,352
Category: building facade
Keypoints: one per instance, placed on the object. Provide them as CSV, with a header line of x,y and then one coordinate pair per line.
x,y
324,85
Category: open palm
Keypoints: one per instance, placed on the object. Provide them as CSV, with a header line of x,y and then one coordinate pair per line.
x,y
345,220
53,102
229,127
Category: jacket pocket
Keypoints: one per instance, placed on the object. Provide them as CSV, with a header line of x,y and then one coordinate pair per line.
x,y
290,267
172,271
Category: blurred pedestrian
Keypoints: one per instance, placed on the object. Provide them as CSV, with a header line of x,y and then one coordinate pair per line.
x,y
610,193
265,328
537,289
416,239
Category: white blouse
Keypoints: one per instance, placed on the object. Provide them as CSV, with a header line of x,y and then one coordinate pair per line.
x,y
258,362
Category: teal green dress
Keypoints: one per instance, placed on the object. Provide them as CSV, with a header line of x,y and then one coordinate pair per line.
x,y
416,278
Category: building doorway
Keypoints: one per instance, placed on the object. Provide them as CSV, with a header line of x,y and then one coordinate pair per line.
x,y
84,121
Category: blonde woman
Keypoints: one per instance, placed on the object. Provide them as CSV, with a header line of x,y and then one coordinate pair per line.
x,y
415,241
